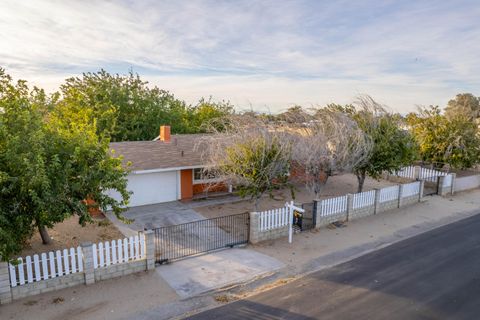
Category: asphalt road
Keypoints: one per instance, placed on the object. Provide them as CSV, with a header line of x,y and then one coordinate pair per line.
x,y
435,275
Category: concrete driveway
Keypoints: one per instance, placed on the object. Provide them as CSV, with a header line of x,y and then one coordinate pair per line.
x,y
193,276
155,216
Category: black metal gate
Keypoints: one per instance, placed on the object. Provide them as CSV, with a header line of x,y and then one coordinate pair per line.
x,y
192,238
431,186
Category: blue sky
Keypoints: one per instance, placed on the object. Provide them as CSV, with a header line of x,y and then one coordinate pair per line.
x,y
266,55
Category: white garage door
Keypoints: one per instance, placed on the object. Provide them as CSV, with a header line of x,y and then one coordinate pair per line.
x,y
150,188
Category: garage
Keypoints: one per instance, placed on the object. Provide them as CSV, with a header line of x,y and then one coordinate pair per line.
x,y
150,188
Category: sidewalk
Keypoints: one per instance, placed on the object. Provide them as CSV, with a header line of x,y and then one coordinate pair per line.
x,y
148,295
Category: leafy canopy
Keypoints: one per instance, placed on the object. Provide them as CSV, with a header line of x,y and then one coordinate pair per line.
x,y
392,146
124,108
451,140
464,104
48,166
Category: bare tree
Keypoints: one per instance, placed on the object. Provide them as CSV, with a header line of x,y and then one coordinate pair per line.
x,y
332,142
249,153
392,147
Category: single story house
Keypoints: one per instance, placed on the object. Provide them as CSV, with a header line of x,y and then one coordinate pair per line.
x,y
166,169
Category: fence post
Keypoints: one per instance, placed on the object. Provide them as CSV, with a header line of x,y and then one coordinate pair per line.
x,y
254,230
318,213
417,170
420,190
314,213
377,200
441,190
5,289
88,270
400,195
454,176
349,204
150,249
290,222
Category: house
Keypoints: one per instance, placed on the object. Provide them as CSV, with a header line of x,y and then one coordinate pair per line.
x,y
166,169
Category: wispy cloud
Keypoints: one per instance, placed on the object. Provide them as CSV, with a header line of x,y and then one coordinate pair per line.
x,y
263,53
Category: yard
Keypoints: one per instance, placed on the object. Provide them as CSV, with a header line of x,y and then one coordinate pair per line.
x,y
70,234
336,186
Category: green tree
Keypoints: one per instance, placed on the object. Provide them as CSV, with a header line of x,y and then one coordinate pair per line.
x,y
451,140
49,167
392,147
464,104
206,112
125,108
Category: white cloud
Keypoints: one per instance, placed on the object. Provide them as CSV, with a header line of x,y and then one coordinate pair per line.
x,y
266,53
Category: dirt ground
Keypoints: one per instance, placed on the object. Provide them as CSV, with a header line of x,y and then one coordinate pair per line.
x,y
336,186
71,234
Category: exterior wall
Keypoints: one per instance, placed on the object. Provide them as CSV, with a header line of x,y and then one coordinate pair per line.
x,y
466,183
325,221
257,236
388,205
186,184
119,270
361,212
54,284
94,211
202,187
409,200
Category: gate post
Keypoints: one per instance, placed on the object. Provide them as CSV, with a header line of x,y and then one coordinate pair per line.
x,y
150,249
5,289
420,190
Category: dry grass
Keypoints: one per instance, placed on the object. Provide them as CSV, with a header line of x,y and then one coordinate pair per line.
x,y
336,186
71,234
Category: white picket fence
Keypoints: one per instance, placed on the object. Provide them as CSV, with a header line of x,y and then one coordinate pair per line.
x,y
45,266
119,251
68,261
273,219
411,189
363,199
406,172
333,206
389,194
430,174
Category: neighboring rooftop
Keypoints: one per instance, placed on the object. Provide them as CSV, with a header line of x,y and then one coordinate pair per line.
x,y
148,155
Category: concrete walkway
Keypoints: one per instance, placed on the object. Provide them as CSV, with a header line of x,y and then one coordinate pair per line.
x,y
149,295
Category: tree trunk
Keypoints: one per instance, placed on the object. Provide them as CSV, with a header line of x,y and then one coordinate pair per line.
x,y
361,181
44,234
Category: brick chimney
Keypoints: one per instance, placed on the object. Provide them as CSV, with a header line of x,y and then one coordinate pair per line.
x,y
165,133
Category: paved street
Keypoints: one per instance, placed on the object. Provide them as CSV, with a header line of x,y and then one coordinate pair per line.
x,y
435,275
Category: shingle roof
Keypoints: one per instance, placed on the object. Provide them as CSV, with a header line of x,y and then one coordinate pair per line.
x,y
148,155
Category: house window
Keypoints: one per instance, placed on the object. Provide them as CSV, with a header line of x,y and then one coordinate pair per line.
x,y
202,175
